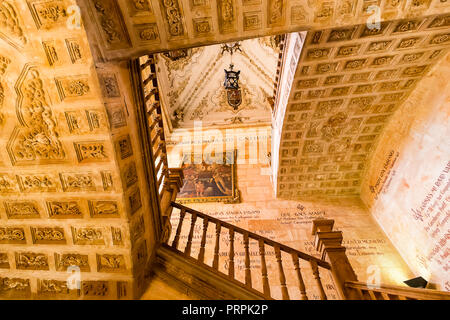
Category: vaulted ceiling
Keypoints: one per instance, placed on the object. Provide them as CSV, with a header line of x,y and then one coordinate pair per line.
x,y
125,28
348,83
192,84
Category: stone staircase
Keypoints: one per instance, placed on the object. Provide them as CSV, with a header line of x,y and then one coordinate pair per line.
x,y
186,269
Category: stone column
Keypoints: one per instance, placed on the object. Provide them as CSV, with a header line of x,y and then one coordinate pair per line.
x,y
171,188
329,243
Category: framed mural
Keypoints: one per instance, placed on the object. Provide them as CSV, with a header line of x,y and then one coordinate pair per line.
x,y
209,181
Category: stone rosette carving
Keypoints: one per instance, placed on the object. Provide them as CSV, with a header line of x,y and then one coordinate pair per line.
x,y
7,184
95,119
147,33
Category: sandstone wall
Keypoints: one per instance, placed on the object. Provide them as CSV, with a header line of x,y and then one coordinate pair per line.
x,y
407,184
72,192
290,222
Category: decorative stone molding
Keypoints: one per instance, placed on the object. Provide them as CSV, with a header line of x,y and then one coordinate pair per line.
x,y
37,140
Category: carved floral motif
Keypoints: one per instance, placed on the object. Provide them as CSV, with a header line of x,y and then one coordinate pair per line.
x,y
14,285
63,261
31,261
21,209
173,17
9,20
48,235
12,235
111,25
86,235
110,263
90,151
66,260
64,209
38,140
52,287
103,208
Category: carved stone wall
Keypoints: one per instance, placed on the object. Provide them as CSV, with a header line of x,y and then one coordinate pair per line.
x,y
348,83
72,191
126,28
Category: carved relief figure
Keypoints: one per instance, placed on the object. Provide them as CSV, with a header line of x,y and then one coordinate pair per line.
x,y
39,139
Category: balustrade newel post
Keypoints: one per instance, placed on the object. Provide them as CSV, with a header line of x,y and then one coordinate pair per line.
x,y
329,244
171,187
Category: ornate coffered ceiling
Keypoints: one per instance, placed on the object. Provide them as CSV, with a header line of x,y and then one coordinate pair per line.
x,y
348,83
192,84
129,28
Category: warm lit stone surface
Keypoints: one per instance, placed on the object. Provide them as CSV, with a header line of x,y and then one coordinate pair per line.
x,y
72,184
407,183
348,83
159,289
140,27
290,222
70,162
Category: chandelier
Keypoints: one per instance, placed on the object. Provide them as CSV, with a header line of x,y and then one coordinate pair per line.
x,y
231,83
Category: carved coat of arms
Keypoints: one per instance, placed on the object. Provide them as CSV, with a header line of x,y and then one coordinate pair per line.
x,y
234,98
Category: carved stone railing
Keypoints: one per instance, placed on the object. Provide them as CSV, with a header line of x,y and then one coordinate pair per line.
x,y
278,248
391,292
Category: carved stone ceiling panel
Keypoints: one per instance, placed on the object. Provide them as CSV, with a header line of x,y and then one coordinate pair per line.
x,y
130,28
192,84
348,83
